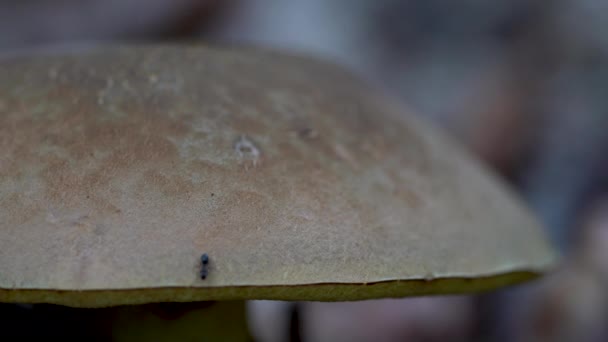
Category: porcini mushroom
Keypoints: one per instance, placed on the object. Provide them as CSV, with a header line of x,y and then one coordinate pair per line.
x,y
121,166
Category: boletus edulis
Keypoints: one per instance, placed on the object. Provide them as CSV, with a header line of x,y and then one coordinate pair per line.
x,y
121,166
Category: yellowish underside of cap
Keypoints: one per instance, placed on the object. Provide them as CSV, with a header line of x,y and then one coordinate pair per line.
x,y
312,292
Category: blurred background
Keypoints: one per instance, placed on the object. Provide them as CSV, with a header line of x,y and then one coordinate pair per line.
x,y
522,83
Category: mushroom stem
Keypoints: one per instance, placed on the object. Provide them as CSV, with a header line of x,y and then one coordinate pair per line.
x,y
199,321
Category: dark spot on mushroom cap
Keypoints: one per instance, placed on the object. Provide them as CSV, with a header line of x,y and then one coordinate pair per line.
x,y
307,133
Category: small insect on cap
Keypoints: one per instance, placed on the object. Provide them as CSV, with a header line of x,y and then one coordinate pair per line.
x,y
204,263
323,189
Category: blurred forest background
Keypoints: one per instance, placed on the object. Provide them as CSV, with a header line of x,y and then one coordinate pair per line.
x,y
522,83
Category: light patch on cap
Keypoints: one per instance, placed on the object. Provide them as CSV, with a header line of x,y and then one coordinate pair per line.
x,y
246,149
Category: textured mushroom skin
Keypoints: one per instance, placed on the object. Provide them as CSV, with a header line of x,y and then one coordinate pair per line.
x,y
119,167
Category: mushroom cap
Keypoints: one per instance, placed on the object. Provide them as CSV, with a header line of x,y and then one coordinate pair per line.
x,y
121,166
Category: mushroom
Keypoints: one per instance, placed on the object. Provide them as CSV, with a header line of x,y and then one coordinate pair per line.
x,y
121,166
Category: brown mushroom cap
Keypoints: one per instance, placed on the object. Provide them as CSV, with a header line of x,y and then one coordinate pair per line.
x,y
119,167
